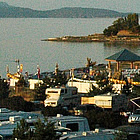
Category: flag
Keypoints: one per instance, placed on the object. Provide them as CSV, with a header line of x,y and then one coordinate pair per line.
x,y
38,72
21,68
7,69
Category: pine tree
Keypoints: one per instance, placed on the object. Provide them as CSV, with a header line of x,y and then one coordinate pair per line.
x,y
4,89
22,131
41,131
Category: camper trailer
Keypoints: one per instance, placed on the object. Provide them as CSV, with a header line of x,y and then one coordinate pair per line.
x,y
63,96
74,123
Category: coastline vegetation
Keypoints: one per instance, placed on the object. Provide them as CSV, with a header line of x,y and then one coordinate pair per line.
x,y
122,30
130,23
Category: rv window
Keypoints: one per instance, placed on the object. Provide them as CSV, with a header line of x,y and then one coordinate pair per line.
x,y
73,126
133,137
65,90
74,92
62,90
52,91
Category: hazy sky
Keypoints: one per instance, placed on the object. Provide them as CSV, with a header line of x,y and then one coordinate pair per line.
x,y
117,5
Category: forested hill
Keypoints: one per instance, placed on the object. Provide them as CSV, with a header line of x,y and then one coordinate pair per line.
x,y
7,11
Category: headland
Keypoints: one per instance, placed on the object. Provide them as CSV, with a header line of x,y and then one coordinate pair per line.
x,y
128,39
123,30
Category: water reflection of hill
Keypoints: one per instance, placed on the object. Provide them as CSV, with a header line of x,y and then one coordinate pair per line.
x,y
123,44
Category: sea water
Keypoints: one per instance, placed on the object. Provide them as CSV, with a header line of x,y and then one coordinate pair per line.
x,y
20,38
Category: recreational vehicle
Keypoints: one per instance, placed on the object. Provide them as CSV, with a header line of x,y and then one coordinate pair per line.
x,y
63,96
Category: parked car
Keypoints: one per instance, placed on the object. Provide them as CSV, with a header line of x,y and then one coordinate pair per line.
x,y
135,117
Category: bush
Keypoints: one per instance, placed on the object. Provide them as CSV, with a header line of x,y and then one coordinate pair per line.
x,y
105,119
53,111
4,89
42,131
17,103
131,23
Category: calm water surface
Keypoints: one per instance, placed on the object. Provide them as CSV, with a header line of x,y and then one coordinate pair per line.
x,y
21,39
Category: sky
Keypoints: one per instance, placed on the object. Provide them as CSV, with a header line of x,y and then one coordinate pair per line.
x,y
132,6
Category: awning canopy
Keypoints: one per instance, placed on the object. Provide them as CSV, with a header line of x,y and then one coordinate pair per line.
x,y
123,56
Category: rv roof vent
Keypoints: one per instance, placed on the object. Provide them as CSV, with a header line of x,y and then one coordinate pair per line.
x,y
14,118
108,93
84,133
59,115
96,130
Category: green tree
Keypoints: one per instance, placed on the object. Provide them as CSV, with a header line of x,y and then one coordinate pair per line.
x,y
135,92
109,31
109,120
22,131
92,118
40,92
136,78
119,24
53,111
120,135
41,131
4,89
60,79
103,85
18,103
21,82
126,88
105,119
57,80
94,91
45,131
131,22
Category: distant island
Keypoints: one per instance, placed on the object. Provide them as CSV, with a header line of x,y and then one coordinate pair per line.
x,y
123,30
8,11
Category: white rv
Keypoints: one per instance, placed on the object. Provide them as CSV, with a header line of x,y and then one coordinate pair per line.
x,y
71,127
84,86
74,123
61,96
62,123
9,120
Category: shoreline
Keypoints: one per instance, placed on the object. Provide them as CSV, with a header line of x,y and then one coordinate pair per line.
x,y
96,38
